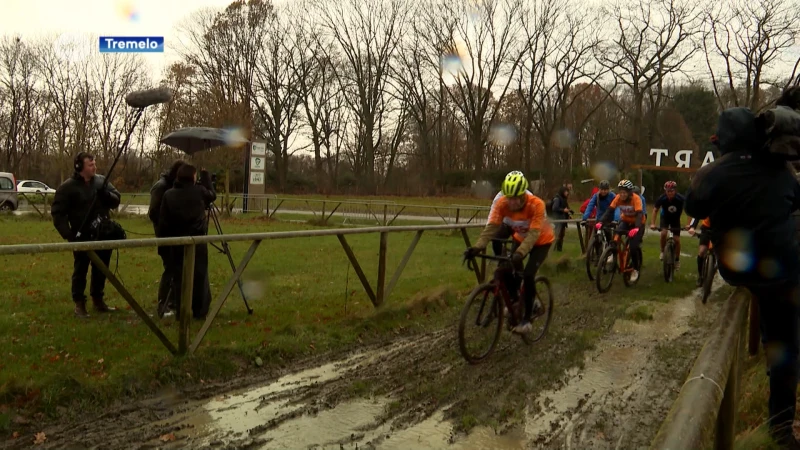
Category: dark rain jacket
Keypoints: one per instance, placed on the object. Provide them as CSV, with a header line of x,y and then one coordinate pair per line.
x,y
749,197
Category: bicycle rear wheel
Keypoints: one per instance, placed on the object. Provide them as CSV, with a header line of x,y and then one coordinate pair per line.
x,y
606,269
709,271
481,322
669,262
544,293
592,256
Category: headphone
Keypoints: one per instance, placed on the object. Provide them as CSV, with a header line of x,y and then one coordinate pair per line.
x,y
79,161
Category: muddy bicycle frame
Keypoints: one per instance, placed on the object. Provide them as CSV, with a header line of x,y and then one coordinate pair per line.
x,y
504,267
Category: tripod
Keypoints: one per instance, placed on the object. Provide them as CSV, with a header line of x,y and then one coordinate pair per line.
x,y
213,215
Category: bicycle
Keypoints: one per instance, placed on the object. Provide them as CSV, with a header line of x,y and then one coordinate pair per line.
x,y
668,264
616,258
493,302
709,270
596,246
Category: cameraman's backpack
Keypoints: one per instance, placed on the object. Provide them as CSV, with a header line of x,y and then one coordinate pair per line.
x,y
782,127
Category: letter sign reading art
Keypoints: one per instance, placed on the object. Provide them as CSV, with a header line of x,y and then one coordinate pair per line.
x,y
683,158
257,163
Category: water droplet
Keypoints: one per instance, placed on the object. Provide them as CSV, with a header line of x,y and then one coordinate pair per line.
x,y
604,170
483,189
234,137
451,64
563,138
737,253
502,134
73,47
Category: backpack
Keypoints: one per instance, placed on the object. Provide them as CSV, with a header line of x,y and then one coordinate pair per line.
x,y
782,126
548,206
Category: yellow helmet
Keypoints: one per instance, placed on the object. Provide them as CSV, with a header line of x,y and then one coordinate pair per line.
x,y
515,184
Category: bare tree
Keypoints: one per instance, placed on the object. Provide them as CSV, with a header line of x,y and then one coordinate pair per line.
x,y
570,71
275,98
18,79
742,41
367,34
485,35
113,76
319,93
653,40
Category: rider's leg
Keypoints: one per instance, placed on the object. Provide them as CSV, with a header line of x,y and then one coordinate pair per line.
x,y
536,257
701,254
663,242
635,246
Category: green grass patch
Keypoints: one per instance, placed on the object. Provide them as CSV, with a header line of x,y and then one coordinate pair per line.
x,y
640,313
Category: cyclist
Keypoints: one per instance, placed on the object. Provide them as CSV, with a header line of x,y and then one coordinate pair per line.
x,y
599,203
671,206
705,239
522,215
631,221
497,246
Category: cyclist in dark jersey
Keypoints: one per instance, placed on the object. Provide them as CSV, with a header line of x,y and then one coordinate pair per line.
x,y
671,206
705,240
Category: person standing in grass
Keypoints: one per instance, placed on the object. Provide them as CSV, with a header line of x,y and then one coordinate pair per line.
x,y
184,213
166,298
79,205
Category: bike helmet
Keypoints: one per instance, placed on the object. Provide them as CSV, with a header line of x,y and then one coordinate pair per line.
x,y
604,185
515,184
625,184
669,185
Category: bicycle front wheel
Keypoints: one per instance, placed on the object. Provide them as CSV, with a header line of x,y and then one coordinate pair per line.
x,y
593,251
669,262
541,323
709,271
606,269
480,324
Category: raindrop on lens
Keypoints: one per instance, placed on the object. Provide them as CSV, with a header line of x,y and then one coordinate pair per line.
x,y
234,137
502,134
604,170
737,253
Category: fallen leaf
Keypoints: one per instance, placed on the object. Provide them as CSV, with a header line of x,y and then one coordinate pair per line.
x,y
39,438
15,435
167,437
259,361
100,361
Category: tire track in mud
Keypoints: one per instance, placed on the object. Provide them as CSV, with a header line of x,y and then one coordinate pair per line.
x,y
418,393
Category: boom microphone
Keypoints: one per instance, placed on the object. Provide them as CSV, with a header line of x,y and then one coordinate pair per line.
x,y
148,97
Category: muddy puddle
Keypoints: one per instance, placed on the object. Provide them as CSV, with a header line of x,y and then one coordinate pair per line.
x,y
626,385
615,379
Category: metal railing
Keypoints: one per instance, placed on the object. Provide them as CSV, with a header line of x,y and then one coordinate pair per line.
x,y
377,296
706,405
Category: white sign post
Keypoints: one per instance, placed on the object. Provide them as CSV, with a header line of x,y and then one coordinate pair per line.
x,y
257,175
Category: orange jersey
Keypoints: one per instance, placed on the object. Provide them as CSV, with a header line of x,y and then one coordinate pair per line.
x,y
629,208
705,223
531,217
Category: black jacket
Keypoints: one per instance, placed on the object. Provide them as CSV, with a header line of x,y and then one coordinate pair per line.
x,y
73,201
183,210
156,196
749,197
559,203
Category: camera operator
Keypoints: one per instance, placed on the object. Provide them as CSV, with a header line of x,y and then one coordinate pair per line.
x,y
77,217
166,297
183,213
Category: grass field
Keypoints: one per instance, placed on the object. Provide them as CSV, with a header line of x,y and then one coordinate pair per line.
x,y
310,303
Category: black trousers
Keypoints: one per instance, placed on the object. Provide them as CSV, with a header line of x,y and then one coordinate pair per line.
x,y
165,292
80,271
779,307
201,290
634,243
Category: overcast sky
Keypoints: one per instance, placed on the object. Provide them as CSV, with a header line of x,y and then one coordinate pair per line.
x,y
103,17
